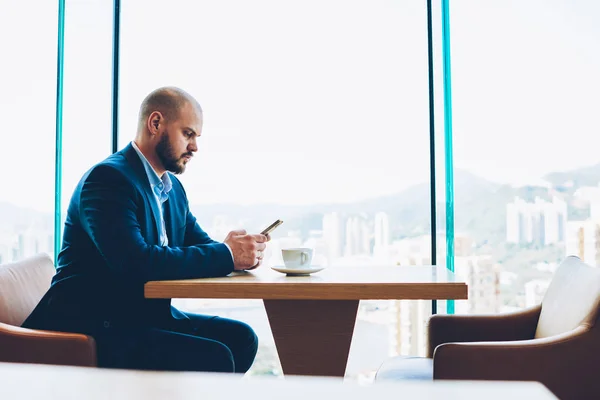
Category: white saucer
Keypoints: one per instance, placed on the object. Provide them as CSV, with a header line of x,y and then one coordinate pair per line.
x,y
298,271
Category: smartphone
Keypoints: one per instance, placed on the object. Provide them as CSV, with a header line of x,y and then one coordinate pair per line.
x,y
271,227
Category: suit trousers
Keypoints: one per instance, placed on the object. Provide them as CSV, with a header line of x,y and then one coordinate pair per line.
x,y
198,343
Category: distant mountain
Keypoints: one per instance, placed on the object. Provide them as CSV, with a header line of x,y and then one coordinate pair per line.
x,y
15,218
408,210
587,176
479,207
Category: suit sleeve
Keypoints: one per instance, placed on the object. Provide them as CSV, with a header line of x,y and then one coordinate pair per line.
x,y
108,211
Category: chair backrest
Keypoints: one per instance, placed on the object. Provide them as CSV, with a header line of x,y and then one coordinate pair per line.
x,y
22,285
572,299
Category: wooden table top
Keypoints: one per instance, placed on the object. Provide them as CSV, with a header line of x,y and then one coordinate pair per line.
x,y
333,283
28,381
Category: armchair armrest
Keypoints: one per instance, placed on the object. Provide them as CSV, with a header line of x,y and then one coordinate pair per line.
x,y
46,347
564,363
519,325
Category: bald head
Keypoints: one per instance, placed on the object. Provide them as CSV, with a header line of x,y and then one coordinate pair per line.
x,y
170,121
168,101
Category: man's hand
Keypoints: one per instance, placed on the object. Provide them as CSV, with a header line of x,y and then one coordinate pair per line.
x,y
262,253
247,249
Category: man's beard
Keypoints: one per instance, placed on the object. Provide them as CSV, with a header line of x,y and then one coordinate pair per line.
x,y
167,156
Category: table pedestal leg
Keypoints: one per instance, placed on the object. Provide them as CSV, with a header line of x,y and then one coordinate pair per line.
x,y
313,337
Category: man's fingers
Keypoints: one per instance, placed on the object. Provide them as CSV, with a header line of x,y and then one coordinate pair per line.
x,y
261,246
238,232
260,238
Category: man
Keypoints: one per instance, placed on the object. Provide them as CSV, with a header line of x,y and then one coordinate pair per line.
x,y
129,222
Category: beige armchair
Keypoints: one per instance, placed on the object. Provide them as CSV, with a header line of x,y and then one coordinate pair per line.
x,y
556,343
22,285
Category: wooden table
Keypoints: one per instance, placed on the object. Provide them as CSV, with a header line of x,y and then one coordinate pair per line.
x,y
312,317
27,381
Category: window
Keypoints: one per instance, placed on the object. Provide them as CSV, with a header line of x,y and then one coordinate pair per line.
x,y
87,127
315,112
28,102
525,106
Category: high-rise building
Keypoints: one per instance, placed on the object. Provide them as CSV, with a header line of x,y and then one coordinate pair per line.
x,y
583,240
554,216
409,327
540,222
382,236
519,222
357,237
574,243
333,234
483,280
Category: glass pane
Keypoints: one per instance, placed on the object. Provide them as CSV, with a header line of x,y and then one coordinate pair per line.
x,y
87,127
315,112
28,102
525,85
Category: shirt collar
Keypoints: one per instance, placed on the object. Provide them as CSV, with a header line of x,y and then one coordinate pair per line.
x,y
160,186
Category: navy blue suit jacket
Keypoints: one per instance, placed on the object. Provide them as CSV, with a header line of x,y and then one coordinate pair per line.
x,y
111,249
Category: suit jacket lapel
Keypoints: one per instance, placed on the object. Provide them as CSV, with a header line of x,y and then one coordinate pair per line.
x,y
155,211
171,221
175,214
134,160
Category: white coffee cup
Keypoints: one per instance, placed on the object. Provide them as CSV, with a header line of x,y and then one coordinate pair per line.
x,y
298,257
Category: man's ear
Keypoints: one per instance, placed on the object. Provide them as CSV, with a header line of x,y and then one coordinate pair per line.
x,y
154,121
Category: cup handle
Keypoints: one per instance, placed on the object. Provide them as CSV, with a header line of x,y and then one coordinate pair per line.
x,y
303,257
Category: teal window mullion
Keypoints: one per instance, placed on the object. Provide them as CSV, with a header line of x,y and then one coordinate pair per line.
x,y
448,144
59,115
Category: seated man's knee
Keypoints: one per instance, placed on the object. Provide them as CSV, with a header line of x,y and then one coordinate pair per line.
x,y
247,346
220,358
251,336
245,337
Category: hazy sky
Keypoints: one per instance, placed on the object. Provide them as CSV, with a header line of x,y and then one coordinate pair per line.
x,y
305,101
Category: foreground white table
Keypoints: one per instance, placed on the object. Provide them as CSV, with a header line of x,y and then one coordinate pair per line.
x,y
26,381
